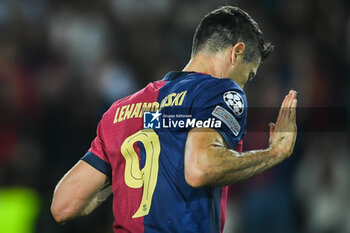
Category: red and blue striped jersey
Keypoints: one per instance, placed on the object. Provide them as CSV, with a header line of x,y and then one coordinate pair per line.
x,y
146,165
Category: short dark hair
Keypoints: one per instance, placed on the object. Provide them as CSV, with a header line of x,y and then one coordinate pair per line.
x,y
227,26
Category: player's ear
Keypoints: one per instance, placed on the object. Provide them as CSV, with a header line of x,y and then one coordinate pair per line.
x,y
236,51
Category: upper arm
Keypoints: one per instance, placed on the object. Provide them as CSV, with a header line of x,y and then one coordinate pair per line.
x,y
75,190
201,143
226,103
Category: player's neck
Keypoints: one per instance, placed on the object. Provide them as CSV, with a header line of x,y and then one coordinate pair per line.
x,y
207,64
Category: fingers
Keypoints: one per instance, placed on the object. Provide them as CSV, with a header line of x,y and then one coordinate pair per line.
x,y
292,102
287,110
283,132
284,106
280,113
291,97
293,109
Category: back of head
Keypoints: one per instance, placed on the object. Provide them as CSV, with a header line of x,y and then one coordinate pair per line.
x,y
225,27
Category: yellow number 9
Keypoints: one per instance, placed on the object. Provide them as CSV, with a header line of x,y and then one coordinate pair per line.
x,y
134,177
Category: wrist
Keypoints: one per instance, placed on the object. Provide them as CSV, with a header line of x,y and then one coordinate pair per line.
x,y
276,151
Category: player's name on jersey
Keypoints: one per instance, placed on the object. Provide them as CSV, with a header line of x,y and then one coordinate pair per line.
x,y
136,110
173,99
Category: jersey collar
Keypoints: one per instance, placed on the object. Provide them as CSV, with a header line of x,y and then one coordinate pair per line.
x,y
175,74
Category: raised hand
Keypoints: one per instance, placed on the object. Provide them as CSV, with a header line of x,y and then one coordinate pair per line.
x,y
284,132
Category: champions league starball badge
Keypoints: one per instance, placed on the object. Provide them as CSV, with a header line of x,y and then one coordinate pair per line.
x,y
234,101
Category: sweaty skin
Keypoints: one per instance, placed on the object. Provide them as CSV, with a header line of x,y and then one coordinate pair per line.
x,y
209,162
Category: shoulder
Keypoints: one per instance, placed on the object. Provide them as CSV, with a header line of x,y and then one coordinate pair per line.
x,y
209,84
211,88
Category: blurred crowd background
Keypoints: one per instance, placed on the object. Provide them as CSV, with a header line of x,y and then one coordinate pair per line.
x,y
63,63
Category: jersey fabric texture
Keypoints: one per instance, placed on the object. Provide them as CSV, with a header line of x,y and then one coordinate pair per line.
x,y
146,166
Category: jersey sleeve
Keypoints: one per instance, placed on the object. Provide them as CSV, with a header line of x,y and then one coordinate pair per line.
x,y
225,101
96,155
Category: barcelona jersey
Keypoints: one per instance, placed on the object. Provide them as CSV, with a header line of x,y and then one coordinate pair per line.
x,y
144,155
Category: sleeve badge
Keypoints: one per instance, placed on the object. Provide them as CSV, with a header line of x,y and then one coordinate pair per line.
x,y
234,101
